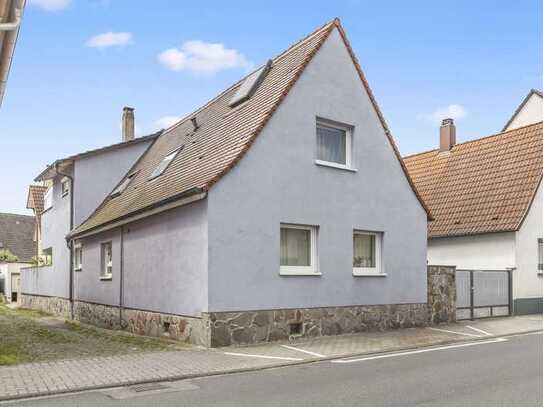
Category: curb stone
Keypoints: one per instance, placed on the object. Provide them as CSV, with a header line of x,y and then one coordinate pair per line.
x,y
251,369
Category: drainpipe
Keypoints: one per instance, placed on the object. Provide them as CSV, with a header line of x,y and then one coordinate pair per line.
x,y
69,242
121,280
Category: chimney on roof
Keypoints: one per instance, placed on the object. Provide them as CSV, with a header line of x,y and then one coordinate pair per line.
x,y
128,123
447,135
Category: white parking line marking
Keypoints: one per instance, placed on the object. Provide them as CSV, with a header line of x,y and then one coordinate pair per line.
x,y
454,332
479,330
414,352
261,356
303,351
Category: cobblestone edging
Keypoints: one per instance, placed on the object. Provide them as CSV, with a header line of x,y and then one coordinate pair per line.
x,y
182,328
231,328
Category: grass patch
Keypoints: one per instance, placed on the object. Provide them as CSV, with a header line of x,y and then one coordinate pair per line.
x,y
28,336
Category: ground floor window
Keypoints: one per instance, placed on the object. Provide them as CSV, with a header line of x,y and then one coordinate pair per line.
x,y
540,254
78,257
298,250
366,253
47,256
106,271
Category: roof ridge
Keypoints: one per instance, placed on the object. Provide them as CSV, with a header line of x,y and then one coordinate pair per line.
x,y
274,59
501,133
16,215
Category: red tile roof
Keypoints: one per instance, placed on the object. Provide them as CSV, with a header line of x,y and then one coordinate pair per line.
x,y
223,137
480,186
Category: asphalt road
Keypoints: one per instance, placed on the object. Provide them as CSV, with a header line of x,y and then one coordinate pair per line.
x,y
508,373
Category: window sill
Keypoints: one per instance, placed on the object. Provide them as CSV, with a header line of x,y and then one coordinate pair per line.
x,y
368,274
299,273
106,278
335,165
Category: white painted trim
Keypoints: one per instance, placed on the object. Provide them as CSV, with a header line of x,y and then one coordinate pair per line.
x,y
261,356
303,351
479,330
376,271
313,269
335,165
414,352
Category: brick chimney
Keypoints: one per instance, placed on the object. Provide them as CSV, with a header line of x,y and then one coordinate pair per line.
x,y
447,135
128,123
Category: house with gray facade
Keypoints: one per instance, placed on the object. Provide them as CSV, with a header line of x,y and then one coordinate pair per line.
x,y
281,207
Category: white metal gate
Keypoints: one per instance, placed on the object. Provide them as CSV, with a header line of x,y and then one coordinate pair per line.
x,y
483,293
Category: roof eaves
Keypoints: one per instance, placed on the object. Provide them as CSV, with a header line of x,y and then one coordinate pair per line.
x,y
96,151
519,108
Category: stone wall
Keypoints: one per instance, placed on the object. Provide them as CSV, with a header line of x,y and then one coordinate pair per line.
x,y
233,328
51,305
441,294
182,328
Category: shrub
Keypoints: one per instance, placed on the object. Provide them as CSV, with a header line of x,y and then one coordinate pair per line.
x,y
7,256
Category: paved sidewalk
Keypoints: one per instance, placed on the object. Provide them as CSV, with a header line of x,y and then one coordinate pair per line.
x,y
82,374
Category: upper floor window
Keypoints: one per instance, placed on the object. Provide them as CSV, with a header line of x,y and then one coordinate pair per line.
x,y
106,269
65,186
334,144
48,199
298,250
47,256
366,253
163,165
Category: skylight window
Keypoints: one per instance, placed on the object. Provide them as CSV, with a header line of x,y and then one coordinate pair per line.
x,y
166,161
250,85
123,185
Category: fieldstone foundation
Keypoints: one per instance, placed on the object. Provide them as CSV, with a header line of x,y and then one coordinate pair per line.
x,y
51,305
217,329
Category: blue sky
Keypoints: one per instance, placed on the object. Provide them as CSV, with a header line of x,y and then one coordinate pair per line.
x,y
78,62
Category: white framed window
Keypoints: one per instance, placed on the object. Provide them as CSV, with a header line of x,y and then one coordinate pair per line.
x,y
78,257
540,255
165,163
298,250
48,199
65,186
106,269
367,253
334,144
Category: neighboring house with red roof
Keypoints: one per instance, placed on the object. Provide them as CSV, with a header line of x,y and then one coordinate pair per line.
x,y
281,207
487,205
530,111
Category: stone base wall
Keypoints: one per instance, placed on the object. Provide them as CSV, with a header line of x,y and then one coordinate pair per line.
x,y
441,294
237,328
182,328
51,305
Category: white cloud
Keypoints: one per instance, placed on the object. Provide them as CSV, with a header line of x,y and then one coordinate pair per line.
x,y
202,58
166,121
109,39
51,5
453,111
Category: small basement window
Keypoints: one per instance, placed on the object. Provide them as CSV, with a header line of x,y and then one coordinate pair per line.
x,y
366,253
250,85
164,164
298,250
